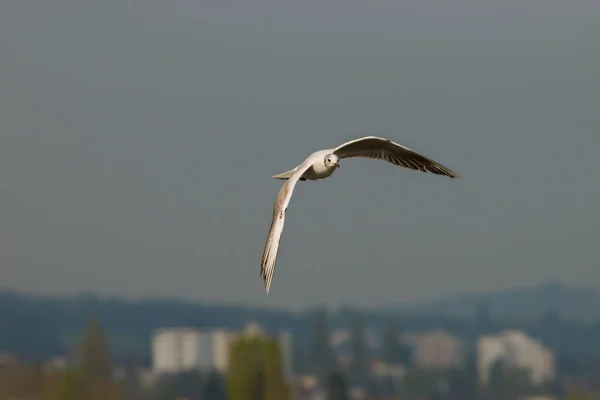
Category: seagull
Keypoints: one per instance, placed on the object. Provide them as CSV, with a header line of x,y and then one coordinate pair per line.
x,y
320,165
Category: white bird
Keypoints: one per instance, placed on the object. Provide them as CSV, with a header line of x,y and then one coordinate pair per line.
x,y
320,165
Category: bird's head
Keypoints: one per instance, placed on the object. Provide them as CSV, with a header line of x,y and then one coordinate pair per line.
x,y
331,160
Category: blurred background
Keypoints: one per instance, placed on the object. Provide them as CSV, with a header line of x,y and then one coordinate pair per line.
x,y
137,146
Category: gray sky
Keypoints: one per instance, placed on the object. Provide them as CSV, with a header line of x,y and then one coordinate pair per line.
x,y
138,140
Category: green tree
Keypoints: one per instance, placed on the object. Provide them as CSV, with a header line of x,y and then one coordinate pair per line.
x,y
95,353
275,383
22,380
244,377
255,371
70,385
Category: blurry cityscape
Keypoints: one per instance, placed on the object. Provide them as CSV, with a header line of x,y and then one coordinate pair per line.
x,y
138,141
92,348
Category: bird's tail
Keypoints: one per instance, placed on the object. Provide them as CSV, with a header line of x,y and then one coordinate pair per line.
x,y
285,175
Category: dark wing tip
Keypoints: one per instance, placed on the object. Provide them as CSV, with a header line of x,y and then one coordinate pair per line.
x,y
450,174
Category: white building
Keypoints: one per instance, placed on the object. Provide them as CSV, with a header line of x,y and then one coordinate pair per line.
x,y
341,338
437,349
184,349
177,350
516,349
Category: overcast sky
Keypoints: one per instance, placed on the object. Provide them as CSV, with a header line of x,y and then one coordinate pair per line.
x,y
138,140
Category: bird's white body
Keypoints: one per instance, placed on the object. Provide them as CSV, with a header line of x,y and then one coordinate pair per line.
x,y
315,166
322,164
318,172
318,169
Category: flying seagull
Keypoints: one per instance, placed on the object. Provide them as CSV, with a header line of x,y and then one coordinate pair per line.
x,y
320,165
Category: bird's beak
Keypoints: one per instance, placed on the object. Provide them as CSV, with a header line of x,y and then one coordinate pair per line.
x,y
337,164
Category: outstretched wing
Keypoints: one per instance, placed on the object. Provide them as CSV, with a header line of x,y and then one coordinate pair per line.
x,y
267,268
384,149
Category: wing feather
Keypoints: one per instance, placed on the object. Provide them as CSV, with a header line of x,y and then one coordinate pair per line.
x,y
384,149
269,258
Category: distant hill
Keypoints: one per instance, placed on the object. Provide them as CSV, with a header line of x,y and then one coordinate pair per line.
x,y
571,302
40,326
36,326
